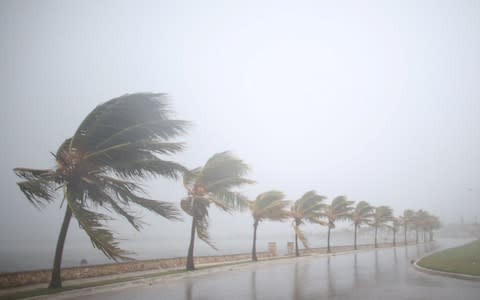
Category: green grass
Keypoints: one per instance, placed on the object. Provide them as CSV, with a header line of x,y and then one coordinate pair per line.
x,y
463,260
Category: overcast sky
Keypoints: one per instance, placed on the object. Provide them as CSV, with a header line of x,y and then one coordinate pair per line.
x,y
376,100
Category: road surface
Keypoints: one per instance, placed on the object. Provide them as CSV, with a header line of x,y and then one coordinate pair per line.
x,y
375,274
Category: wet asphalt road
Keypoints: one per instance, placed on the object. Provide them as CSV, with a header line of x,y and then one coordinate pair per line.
x,y
375,274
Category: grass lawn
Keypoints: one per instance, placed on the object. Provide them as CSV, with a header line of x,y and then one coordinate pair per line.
x,y
464,260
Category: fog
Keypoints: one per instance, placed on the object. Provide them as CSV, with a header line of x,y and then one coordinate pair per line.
x,y
377,101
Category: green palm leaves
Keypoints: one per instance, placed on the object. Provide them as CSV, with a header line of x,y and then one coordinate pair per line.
x,y
306,209
117,144
382,215
362,214
270,205
213,183
340,209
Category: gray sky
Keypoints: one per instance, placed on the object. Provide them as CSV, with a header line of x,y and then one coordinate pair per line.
x,y
376,100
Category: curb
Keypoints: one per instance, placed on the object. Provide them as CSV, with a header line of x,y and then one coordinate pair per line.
x,y
442,273
139,281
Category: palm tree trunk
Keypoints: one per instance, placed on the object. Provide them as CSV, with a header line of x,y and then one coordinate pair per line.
x,y
56,279
376,229
328,240
355,238
394,238
416,235
254,248
190,264
405,233
297,252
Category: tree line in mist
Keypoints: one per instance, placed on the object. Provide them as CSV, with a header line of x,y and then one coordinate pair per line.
x,y
125,140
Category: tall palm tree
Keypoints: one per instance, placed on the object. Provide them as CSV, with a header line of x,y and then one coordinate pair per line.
x,y
213,183
381,216
306,209
267,206
405,220
114,146
340,209
362,214
396,224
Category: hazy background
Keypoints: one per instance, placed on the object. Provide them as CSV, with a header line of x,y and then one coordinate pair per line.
x,y
376,100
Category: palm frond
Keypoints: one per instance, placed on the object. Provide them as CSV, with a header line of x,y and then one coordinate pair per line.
x,y
38,191
222,165
125,192
150,167
318,221
100,194
310,205
230,200
190,177
201,225
126,119
301,236
131,151
227,183
186,204
382,215
30,174
274,211
267,198
165,209
100,236
339,209
197,207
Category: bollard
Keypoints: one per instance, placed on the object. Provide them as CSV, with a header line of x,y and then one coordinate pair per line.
x,y
272,249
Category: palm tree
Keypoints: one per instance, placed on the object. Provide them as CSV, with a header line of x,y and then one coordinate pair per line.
x,y
306,209
340,209
381,216
362,214
212,184
396,223
432,224
405,220
267,206
419,220
98,166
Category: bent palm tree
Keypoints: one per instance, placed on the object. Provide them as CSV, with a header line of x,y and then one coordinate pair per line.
x,y
381,216
361,215
340,209
406,219
306,209
267,206
97,167
212,184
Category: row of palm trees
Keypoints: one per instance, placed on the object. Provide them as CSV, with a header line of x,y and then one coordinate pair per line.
x,y
311,208
121,142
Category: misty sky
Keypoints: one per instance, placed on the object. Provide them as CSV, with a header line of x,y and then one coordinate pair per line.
x,y
376,100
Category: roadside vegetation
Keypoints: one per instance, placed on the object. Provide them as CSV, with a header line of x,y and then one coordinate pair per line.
x,y
463,260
